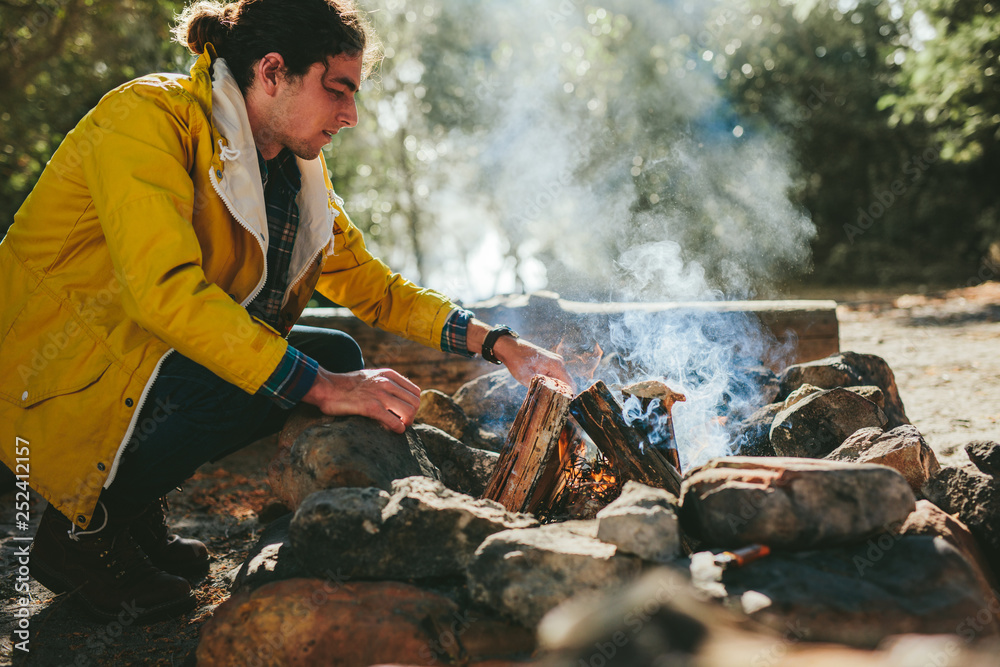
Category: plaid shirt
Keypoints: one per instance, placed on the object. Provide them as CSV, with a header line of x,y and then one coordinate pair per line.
x,y
296,372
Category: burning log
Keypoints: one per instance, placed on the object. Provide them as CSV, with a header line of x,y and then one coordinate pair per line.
x,y
627,448
656,401
527,471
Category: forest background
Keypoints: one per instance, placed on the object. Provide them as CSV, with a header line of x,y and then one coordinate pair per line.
x,y
643,149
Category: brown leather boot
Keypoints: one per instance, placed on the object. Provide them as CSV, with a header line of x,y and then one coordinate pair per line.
x,y
105,568
176,555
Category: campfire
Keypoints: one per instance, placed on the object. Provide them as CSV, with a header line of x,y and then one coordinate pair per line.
x,y
546,466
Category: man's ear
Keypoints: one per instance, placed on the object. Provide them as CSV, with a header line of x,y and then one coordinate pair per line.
x,y
269,71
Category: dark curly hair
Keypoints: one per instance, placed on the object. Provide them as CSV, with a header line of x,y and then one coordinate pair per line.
x,y
304,32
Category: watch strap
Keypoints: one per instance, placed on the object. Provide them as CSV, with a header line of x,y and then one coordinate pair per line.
x,y
492,336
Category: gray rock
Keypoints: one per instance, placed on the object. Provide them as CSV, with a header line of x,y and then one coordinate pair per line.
x,y
848,369
464,469
636,494
856,595
791,503
524,573
658,620
820,422
871,392
440,410
902,448
482,438
641,521
421,530
985,454
333,452
271,559
799,394
975,499
753,438
766,381
491,401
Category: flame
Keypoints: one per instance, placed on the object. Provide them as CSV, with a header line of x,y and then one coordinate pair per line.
x,y
581,363
581,476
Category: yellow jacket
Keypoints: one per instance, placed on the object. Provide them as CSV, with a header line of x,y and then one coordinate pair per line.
x,y
146,233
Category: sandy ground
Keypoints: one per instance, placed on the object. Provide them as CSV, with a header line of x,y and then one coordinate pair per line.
x,y
945,352
943,349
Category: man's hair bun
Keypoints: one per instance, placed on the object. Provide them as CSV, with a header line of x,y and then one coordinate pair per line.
x,y
204,22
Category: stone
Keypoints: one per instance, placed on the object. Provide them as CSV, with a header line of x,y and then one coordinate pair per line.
x,y
662,620
975,499
985,455
765,381
871,392
848,369
641,521
491,401
440,410
902,448
791,503
482,438
753,437
856,595
271,559
799,394
421,530
524,573
929,519
820,422
332,452
315,622
464,469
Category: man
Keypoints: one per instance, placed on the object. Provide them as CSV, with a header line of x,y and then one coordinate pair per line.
x,y
154,274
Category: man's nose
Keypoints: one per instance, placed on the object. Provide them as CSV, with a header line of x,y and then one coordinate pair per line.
x,y
349,114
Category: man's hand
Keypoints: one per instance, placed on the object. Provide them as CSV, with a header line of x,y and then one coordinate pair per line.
x,y
382,394
525,360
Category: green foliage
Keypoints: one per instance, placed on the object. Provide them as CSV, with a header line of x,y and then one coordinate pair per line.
x,y
952,82
57,58
601,146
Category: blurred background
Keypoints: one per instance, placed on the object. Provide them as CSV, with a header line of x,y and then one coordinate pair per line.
x,y
654,149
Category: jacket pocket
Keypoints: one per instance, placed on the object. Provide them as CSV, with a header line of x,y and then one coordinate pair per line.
x,y
47,352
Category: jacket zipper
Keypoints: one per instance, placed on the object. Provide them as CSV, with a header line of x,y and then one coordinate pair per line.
x,y
319,252
302,274
246,226
156,371
134,420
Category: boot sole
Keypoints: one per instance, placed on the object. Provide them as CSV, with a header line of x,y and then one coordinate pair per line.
x,y
193,573
58,585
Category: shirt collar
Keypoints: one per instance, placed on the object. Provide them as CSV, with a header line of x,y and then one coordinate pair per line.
x,y
282,164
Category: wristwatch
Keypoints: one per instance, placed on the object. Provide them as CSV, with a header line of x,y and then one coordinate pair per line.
x,y
491,339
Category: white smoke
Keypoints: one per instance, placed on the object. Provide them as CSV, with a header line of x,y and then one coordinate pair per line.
x,y
609,166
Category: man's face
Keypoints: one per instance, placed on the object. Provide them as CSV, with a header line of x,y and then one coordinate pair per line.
x,y
307,111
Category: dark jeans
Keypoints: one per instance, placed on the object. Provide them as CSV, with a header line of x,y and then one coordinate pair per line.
x,y
192,416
